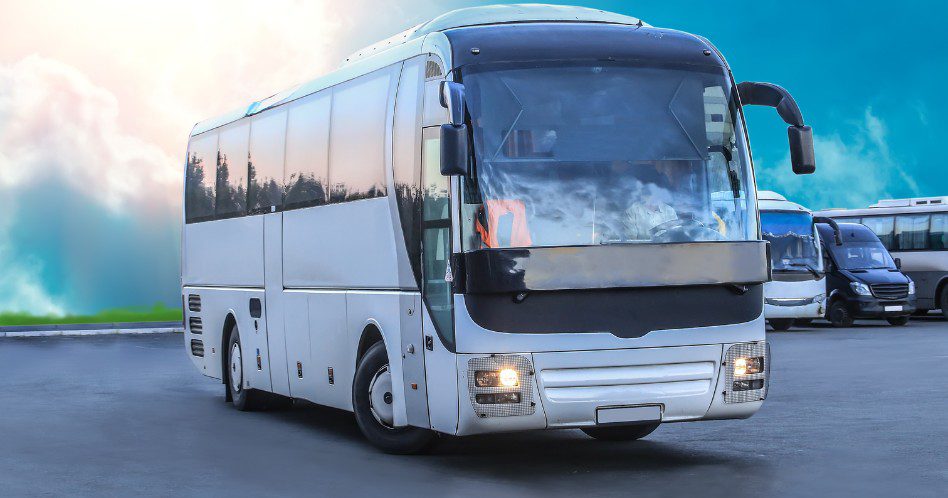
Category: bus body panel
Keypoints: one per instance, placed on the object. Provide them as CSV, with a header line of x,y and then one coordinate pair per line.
x,y
226,252
929,271
274,302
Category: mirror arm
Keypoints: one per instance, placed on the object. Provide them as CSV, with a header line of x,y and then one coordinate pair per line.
x,y
832,223
770,95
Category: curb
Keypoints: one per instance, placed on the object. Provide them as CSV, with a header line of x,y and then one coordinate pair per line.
x,y
91,329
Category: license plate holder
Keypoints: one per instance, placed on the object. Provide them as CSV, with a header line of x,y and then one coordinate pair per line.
x,y
627,415
893,308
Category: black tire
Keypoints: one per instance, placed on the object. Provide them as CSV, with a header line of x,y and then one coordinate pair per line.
x,y
397,440
839,315
897,321
780,324
621,432
803,322
244,399
943,302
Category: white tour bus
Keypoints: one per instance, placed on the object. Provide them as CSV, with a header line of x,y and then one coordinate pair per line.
x,y
797,292
468,229
915,231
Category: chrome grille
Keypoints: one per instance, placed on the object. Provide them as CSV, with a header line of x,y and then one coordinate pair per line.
x,y
521,364
196,326
194,302
889,291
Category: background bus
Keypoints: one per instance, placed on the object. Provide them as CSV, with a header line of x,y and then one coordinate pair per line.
x,y
915,231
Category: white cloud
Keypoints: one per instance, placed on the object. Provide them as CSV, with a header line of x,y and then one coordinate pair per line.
x,y
851,171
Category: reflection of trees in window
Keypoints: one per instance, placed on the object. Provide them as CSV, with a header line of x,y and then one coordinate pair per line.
x,y
199,197
304,189
231,193
263,193
341,192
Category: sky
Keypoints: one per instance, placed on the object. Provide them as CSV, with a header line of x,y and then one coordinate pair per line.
x,y
97,99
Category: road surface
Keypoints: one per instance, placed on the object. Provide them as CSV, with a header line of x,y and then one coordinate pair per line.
x,y
858,411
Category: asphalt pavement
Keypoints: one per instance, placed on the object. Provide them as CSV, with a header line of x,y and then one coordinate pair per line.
x,y
854,412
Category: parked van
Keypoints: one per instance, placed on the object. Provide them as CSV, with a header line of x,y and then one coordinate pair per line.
x,y
862,279
797,292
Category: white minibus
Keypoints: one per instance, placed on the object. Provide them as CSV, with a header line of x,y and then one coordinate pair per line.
x,y
505,218
798,290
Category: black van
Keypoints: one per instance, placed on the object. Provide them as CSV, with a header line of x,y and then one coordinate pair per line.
x,y
862,279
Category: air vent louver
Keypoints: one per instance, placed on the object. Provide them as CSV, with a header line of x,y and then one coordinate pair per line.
x,y
197,347
194,302
196,325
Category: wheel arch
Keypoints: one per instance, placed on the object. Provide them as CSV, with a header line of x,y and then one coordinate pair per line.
x,y
230,323
371,334
940,289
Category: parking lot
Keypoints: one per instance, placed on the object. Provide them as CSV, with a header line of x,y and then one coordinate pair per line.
x,y
857,411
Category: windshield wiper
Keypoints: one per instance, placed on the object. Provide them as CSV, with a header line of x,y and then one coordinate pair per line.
x,y
808,267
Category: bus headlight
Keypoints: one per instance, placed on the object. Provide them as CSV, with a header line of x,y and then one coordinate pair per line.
x,y
911,287
748,366
505,377
860,288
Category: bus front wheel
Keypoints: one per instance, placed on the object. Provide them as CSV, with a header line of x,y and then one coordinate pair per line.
x,y
620,433
781,324
839,315
374,410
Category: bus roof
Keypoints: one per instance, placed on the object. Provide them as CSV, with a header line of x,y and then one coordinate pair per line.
x,y
892,206
408,43
768,200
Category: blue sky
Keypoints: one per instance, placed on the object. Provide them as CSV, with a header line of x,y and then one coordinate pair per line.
x,y
96,100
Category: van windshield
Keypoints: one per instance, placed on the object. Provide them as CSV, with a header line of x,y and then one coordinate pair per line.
x,y
588,153
862,256
793,245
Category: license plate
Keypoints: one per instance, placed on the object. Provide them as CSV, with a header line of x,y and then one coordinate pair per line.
x,y
893,308
629,414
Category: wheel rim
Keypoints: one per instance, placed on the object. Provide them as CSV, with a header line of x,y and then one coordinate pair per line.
x,y
236,368
380,397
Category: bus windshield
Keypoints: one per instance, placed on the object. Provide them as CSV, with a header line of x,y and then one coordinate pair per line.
x,y
792,240
862,256
571,154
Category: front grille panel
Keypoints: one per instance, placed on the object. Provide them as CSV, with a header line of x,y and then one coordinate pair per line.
x,y
196,325
194,302
889,291
197,347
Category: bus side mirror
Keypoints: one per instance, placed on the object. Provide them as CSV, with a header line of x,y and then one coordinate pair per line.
x,y
802,156
898,263
455,159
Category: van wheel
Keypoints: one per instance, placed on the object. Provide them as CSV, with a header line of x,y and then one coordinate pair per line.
x,y
372,404
898,321
780,324
244,399
620,433
943,302
839,315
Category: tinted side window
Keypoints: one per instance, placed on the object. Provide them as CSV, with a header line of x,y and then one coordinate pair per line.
x,y
232,171
200,178
357,163
938,235
883,227
307,151
911,231
267,137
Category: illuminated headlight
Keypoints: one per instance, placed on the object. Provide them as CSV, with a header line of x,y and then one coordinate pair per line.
x,y
911,287
860,288
748,366
501,385
746,371
506,377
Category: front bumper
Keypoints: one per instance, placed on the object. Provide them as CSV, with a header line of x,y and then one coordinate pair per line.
x,y
687,382
872,307
793,308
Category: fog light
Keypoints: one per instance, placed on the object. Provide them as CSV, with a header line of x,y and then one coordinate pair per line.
x,y
748,366
506,377
497,398
748,385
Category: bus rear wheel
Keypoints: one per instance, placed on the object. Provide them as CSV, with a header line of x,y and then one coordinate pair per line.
x,y
839,315
898,321
780,324
372,404
244,399
620,433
